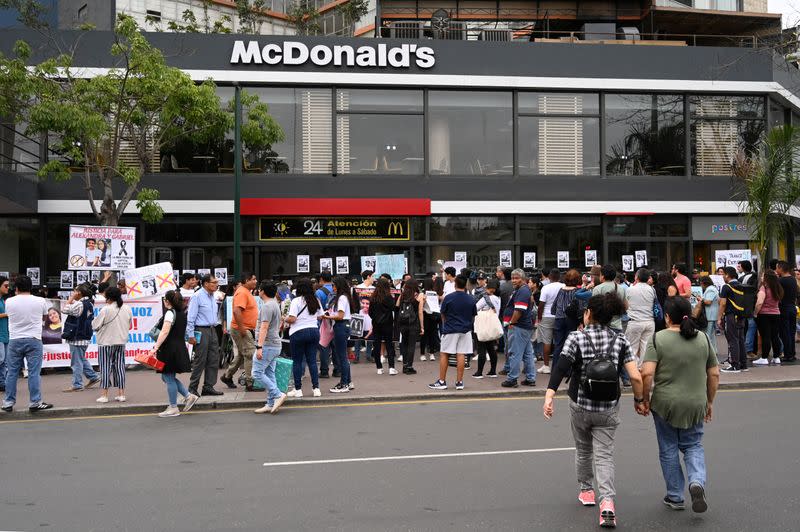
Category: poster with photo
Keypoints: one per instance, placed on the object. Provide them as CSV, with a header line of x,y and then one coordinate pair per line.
x,y
5,274
147,281
101,247
369,262
529,259
203,271
627,263
222,276
35,275
731,257
326,264
177,275
460,256
67,280
641,258
591,257
303,264
94,275
190,271
505,258
342,265
82,276
563,259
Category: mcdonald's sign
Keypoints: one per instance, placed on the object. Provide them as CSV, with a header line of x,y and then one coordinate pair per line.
x,y
324,228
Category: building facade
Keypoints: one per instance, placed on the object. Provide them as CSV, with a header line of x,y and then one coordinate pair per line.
x,y
429,147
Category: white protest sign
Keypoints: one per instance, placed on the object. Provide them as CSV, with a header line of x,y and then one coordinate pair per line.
x,y
505,258
562,259
342,265
731,257
303,264
529,259
718,281
35,275
394,265
326,265
627,263
203,271
641,258
369,263
101,248
147,281
222,276
82,276
432,299
67,280
591,257
460,256
5,274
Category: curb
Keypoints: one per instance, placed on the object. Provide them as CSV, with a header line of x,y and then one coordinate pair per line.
x,y
328,401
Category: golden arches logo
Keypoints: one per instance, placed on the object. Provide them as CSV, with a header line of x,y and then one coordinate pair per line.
x,y
396,229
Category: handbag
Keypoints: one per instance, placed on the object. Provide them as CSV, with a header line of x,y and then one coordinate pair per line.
x,y
325,333
149,361
487,325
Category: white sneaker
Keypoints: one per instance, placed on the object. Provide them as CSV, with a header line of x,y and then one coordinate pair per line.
x,y
383,360
295,393
171,411
544,369
102,399
475,358
423,358
317,392
191,399
400,358
776,361
432,358
761,362
351,386
120,398
380,372
263,410
392,371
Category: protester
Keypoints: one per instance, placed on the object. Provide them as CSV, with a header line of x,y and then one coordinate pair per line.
x,y
683,367
188,286
458,312
566,312
429,341
594,403
449,282
339,309
768,318
25,312
410,318
202,318
268,348
682,282
518,316
733,325
381,309
608,276
170,348
4,287
744,268
710,302
243,331
641,326
368,279
788,308
546,319
324,293
491,302
111,327
665,287
303,321
79,309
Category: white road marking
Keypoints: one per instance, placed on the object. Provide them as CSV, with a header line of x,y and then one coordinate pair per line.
x,y
417,457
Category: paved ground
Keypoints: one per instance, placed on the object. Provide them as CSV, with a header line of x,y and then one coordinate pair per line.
x,y
204,471
145,389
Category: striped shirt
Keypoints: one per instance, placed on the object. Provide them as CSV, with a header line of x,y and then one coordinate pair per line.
x,y
520,301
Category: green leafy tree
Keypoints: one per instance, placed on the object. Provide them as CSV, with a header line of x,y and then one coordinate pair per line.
x,y
352,12
141,106
252,14
767,185
304,18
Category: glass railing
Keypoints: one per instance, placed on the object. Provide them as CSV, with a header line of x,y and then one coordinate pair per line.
x,y
713,5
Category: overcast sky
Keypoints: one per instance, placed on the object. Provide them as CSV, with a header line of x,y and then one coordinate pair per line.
x,y
790,9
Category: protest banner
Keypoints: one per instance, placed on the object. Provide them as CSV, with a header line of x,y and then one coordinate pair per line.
x,y
731,257
562,259
460,256
529,259
591,257
82,276
641,258
101,247
222,276
203,271
342,265
627,263
505,258
369,263
146,313
67,280
303,264
36,276
454,264
147,281
326,264
394,265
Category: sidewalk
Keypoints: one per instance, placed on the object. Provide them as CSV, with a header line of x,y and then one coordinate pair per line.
x,y
146,393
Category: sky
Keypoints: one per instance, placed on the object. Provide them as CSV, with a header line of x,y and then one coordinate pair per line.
x,y
790,9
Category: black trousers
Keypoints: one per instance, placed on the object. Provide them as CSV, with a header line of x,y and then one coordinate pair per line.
x,y
491,348
386,335
769,326
789,325
429,343
408,344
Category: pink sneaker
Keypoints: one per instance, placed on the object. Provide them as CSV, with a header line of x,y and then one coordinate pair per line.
x,y
608,517
586,497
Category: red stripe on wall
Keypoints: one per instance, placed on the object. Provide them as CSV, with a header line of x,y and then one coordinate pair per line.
x,y
335,207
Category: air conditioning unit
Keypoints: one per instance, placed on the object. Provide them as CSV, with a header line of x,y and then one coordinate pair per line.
x,y
495,35
599,31
629,33
455,31
411,29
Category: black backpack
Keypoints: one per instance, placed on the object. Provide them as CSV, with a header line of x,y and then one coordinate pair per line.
x,y
408,314
576,308
742,300
600,376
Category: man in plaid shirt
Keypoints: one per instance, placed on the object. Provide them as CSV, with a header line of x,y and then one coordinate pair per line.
x,y
594,422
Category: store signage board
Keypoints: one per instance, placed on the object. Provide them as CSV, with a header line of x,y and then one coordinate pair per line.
x,y
326,228
298,53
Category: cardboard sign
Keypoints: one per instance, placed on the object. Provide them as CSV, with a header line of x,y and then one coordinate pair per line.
x,y
101,247
148,281
731,257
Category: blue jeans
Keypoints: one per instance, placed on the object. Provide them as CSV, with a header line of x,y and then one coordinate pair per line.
x,y
672,442
341,332
750,337
357,348
29,349
80,366
520,350
304,344
324,358
174,387
3,351
264,372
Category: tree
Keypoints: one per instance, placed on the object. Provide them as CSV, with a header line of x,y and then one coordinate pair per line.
x,y
251,15
767,185
352,12
141,106
304,18
191,25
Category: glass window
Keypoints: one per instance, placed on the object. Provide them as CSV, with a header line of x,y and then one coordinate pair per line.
x,y
669,226
559,146
467,228
546,238
727,106
777,114
189,231
485,257
20,238
626,226
558,103
282,262
644,134
470,133
379,144
355,100
657,253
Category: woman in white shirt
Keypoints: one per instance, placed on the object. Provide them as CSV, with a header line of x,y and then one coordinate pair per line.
x,y
339,315
111,327
303,319
488,301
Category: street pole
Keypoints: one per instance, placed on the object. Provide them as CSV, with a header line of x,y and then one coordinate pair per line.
x,y
237,176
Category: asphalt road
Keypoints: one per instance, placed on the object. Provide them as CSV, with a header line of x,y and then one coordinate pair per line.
x,y
206,471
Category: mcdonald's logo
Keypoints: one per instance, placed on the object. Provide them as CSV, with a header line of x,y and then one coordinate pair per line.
x,y
396,229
